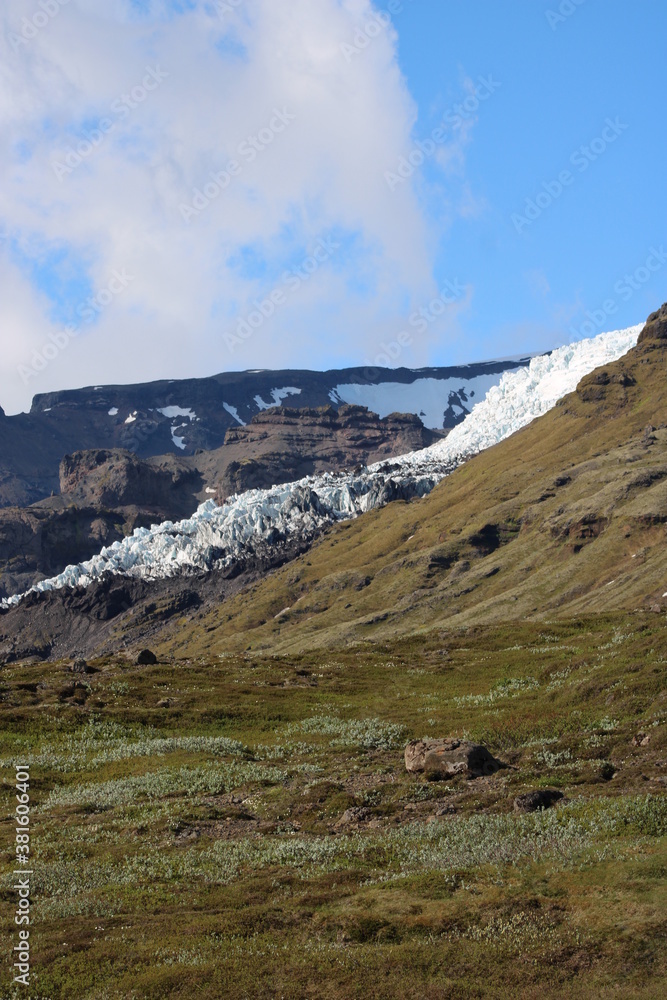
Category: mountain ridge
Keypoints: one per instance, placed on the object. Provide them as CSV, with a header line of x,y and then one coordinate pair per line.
x,y
183,416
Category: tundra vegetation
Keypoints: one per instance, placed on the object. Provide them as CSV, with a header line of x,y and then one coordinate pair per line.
x,y
242,824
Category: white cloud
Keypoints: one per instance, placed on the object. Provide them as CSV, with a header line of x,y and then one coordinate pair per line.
x,y
120,207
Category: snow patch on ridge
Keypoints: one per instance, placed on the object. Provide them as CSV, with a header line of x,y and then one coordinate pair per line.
x,y
277,395
233,412
260,522
177,411
428,397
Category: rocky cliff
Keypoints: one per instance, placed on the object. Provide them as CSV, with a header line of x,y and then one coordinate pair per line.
x,y
105,495
283,445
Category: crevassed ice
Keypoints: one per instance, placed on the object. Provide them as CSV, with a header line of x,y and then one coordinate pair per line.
x,y
260,521
526,393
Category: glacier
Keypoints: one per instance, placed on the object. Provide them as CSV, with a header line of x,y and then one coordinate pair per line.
x,y
526,393
261,521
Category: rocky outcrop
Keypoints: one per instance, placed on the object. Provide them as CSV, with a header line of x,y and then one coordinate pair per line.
x,y
117,478
105,496
600,384
439,759
656,326
282,445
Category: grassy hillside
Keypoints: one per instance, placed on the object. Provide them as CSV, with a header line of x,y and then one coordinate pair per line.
x,y
189,835
237,821
565,517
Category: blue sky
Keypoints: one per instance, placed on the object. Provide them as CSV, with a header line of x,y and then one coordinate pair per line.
x,y
560,81
541,201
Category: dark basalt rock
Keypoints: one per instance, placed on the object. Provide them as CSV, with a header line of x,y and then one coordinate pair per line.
x,y
146,658
541,798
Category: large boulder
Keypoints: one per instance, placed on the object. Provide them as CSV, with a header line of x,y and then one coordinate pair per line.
x,y
440,759
146,658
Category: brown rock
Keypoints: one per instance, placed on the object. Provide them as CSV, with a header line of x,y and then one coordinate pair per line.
x,y
641,740
656,326
353,817
110,478
283,444
446,758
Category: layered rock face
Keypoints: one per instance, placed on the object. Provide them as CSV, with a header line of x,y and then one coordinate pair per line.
x,y
283,445
105,495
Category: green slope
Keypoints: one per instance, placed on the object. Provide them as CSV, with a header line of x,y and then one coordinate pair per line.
x,y
566,516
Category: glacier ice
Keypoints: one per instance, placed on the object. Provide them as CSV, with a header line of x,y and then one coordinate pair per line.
x,y
258,522
526,393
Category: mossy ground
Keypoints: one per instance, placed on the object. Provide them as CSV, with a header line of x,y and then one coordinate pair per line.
x,y
185,838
